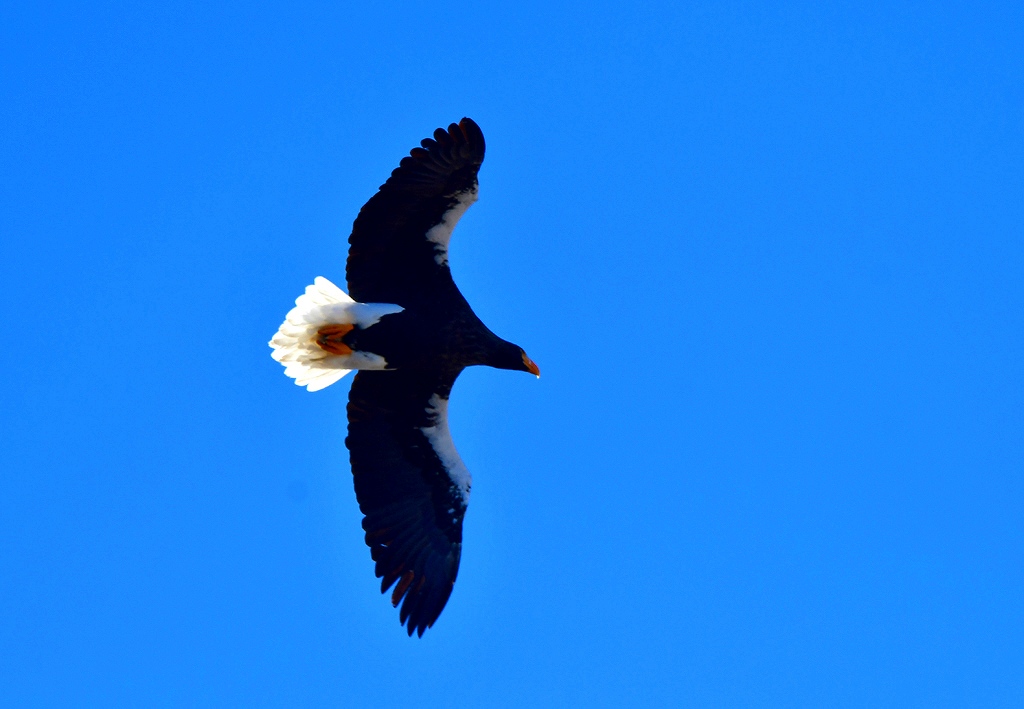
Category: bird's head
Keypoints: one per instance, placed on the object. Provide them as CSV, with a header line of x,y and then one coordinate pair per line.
x,y
509,356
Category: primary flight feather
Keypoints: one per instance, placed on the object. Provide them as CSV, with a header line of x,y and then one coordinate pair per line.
x,y
407,328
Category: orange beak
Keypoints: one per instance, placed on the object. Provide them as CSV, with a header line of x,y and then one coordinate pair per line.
x,y
531,366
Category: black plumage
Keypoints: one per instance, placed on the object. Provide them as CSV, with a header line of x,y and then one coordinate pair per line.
x,y
411,487
389,259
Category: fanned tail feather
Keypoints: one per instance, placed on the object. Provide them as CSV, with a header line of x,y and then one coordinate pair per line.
x,y
295,344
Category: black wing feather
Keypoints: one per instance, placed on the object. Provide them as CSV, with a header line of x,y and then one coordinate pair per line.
x,y
412,509
390,259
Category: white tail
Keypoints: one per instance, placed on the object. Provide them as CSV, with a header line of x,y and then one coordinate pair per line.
x,y
295,342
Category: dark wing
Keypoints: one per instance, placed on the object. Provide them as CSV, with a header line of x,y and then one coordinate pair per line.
x,y
411,485
398,250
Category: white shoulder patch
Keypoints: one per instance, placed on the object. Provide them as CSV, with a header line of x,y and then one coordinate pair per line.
x,y
440,439
441,233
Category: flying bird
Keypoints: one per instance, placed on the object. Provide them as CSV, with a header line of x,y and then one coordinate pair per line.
x,y
410,332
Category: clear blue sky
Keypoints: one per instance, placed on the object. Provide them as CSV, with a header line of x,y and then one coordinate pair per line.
x,y
769,257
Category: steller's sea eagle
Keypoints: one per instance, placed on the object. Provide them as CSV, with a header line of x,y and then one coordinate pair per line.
x,y
407,328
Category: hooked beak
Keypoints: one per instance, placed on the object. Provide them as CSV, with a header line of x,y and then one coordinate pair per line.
x,y
531,366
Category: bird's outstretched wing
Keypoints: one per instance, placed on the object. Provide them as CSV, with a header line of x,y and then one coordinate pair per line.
x,y
411,485
399,244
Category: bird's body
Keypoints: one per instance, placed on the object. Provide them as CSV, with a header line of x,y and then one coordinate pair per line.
x,y
411,332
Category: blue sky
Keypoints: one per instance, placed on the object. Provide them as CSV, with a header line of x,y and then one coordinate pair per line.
x,y
768,256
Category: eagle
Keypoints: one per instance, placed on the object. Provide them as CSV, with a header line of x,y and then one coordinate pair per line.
x,y
409,332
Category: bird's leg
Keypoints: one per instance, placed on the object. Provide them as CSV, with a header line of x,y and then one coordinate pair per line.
x,y
330,338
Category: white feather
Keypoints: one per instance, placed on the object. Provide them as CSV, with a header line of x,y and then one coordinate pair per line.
x,y
441,233
440,438
294,343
